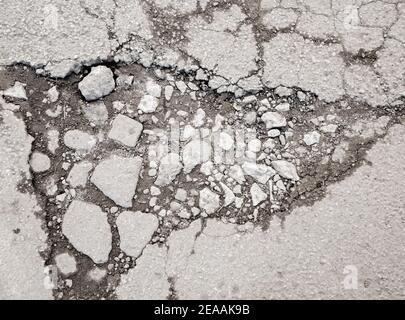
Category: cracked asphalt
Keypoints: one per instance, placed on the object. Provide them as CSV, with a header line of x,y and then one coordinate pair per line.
x,y
202,149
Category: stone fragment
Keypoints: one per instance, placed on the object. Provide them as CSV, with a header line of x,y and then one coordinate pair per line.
x,y
53,94
153,89
135,230
66,263
79,140
254,145
209,201
168,92
194,153
86,227
117,177
181,195
40,162
329,128
148,104
17,91
96,112
170,166
257,194
79,174
260,172
285,169
229,196
98,83
199,118
53,140
125,130
236,173
225,141
274,120
311,138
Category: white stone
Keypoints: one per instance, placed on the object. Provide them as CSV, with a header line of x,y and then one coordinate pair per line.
x,y
117,177
225,141
257,194
199,118
86,227
148,104
17,91
206,168
274,120
168,92
285,169
170,166
135,230
98,83
273,133
96,112
53,140
153,89
53,94
260,172
79,174
236,173
181,195
125,130
181,86
283,107
154,191
254,145
188,132
97,274
209,201
66,263
311,138
194,153
184,213
40,162
329,128
79,140
229,196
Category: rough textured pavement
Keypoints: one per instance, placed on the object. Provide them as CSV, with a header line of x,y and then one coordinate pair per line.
x,y
202,149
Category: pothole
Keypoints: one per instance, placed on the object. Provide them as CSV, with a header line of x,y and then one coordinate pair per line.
x,y
165,145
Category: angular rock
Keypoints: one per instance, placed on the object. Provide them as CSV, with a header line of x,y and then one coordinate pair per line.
x,y
194,153
117,178
260,172
86,227
79,174
125,130
274,120
53,94
136,230
229,196
209,201
148,104
153,89
311,138
181,195
236,173
257,194
170,166
17,91
225,141
98,83
285,169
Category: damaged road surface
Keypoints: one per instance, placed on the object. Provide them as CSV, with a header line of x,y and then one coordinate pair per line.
x,y
202,149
